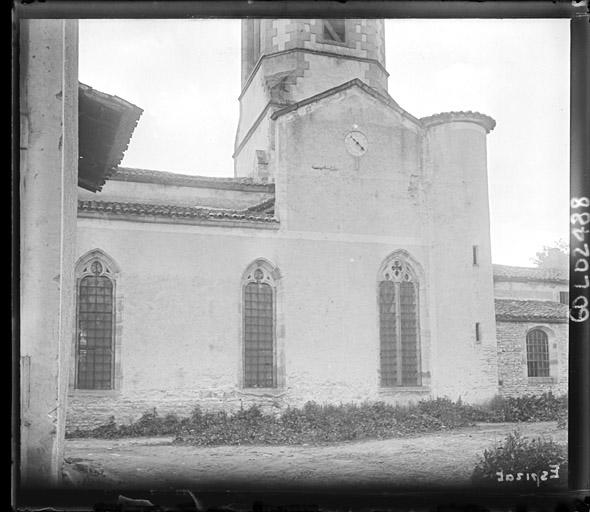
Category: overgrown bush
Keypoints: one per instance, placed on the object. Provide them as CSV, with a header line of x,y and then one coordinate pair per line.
x,y
545,407
149,424
312,423
318,423
520,461
562,419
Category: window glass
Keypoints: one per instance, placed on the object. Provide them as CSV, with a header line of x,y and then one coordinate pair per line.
x,y
94,350
334,30
537,352
399,327
259,364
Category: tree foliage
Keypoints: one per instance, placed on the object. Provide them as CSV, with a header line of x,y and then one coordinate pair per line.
x,y
556,256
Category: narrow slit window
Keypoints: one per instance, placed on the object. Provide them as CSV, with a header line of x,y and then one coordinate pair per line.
x,y
477,332
475,255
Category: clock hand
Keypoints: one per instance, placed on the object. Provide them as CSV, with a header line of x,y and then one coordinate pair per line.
x,y
357,143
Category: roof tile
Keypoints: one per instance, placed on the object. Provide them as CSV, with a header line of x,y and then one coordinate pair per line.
x,y
265,215
531,310
188,180
510,273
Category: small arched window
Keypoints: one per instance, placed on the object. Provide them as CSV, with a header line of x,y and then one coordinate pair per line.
x,y
399,326
259,319
95,323
537,353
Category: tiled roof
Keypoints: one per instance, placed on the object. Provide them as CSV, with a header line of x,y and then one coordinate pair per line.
x,y
445,117
263,215
509,273
188,180
531,310
267,207
105,126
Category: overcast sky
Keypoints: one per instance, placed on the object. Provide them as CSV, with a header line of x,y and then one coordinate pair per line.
x,y
185,75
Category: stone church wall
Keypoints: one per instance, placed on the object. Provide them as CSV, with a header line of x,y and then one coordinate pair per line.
x,y
512,359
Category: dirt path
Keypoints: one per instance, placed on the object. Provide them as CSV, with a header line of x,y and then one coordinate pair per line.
x,y
445,458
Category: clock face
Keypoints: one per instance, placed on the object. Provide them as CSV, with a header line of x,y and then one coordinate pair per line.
x,y
356,143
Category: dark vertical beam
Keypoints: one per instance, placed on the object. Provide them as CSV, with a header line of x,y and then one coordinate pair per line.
x,y
579,327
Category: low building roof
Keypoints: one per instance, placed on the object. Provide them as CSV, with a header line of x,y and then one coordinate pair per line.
x,y
105,126
259,213
189,180
510,273
512,310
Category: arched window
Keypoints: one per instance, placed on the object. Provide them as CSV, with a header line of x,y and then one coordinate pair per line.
x,y
399,326
259,317
95,323
537,353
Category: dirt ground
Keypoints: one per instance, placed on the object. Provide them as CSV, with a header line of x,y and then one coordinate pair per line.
x,y
442,458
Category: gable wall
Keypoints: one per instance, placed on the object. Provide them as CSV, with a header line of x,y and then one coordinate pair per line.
x,y
529,290
321,187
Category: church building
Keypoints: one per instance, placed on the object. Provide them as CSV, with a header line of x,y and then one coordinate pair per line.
x,y
347,260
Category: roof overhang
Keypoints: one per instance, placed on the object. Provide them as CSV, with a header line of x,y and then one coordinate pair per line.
x,y
354,83
106,124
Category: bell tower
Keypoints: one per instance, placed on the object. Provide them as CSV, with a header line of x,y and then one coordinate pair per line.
x,y
287,60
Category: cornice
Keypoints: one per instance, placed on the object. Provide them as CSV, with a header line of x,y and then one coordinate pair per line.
x,y
309,51
355,82
483,120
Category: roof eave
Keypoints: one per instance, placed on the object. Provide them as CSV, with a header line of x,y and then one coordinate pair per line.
x,y
386,100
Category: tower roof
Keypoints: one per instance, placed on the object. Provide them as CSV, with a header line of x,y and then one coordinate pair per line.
x,y
450,117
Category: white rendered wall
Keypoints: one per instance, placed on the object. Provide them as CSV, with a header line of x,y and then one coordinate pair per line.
x,y
181,318
456,180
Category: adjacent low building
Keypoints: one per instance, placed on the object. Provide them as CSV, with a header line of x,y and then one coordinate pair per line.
x,y
531,329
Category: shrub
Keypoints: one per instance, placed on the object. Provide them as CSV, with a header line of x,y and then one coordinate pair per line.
x,y
545,407
518,458
451,414
562,419
318,423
